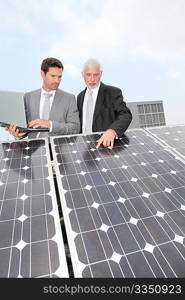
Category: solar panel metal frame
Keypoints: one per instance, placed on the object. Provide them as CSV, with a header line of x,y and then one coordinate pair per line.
x,y
75,260
171,145
72,247
57,238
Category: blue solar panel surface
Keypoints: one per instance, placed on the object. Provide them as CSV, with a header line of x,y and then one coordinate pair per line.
x,y
31,243
124,208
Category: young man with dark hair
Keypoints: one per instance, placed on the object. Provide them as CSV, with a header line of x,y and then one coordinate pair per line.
x,y
51,62
50,107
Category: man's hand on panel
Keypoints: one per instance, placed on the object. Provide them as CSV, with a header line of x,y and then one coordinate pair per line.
x,y
107,139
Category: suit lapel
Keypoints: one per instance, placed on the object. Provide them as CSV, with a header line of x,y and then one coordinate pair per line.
x,y
36,107
56,100
99,101
80,107
82,100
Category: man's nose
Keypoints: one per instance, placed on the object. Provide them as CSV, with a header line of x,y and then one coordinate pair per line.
x,y
57,80
92,77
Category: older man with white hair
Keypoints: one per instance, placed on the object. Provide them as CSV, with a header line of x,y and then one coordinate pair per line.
x,y
102,107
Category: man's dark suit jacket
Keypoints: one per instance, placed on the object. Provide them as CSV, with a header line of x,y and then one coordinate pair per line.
x,y
110,110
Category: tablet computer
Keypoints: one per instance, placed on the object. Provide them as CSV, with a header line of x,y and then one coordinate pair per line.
x,y
12,110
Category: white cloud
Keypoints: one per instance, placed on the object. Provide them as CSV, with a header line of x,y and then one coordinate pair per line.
x,y
175,74
113,28
72,70
12,16
130,28
171,74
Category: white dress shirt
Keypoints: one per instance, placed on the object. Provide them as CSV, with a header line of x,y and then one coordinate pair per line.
x,y
42,99
94,96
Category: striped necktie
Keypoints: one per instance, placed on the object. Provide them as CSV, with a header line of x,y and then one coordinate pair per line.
x,y
46,106
45,112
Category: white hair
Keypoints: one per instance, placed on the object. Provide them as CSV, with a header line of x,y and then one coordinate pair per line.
x,y
92,62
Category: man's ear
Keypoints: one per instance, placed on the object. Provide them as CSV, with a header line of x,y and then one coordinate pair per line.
x,y
42,74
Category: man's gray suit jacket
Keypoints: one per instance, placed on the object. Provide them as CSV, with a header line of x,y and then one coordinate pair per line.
x,y
63,114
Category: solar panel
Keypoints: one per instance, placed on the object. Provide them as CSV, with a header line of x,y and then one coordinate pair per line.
x,y
173,136
31,243
124,208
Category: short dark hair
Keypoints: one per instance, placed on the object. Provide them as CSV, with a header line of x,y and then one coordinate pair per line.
x,y
51,62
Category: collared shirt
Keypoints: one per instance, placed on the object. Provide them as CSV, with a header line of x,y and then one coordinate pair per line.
x,y
42,99
94,96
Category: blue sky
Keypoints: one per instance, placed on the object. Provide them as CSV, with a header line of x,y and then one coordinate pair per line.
x,y
140,43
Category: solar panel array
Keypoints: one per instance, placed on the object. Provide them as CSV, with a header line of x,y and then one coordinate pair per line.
x,y
31,243
173,136
124,208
